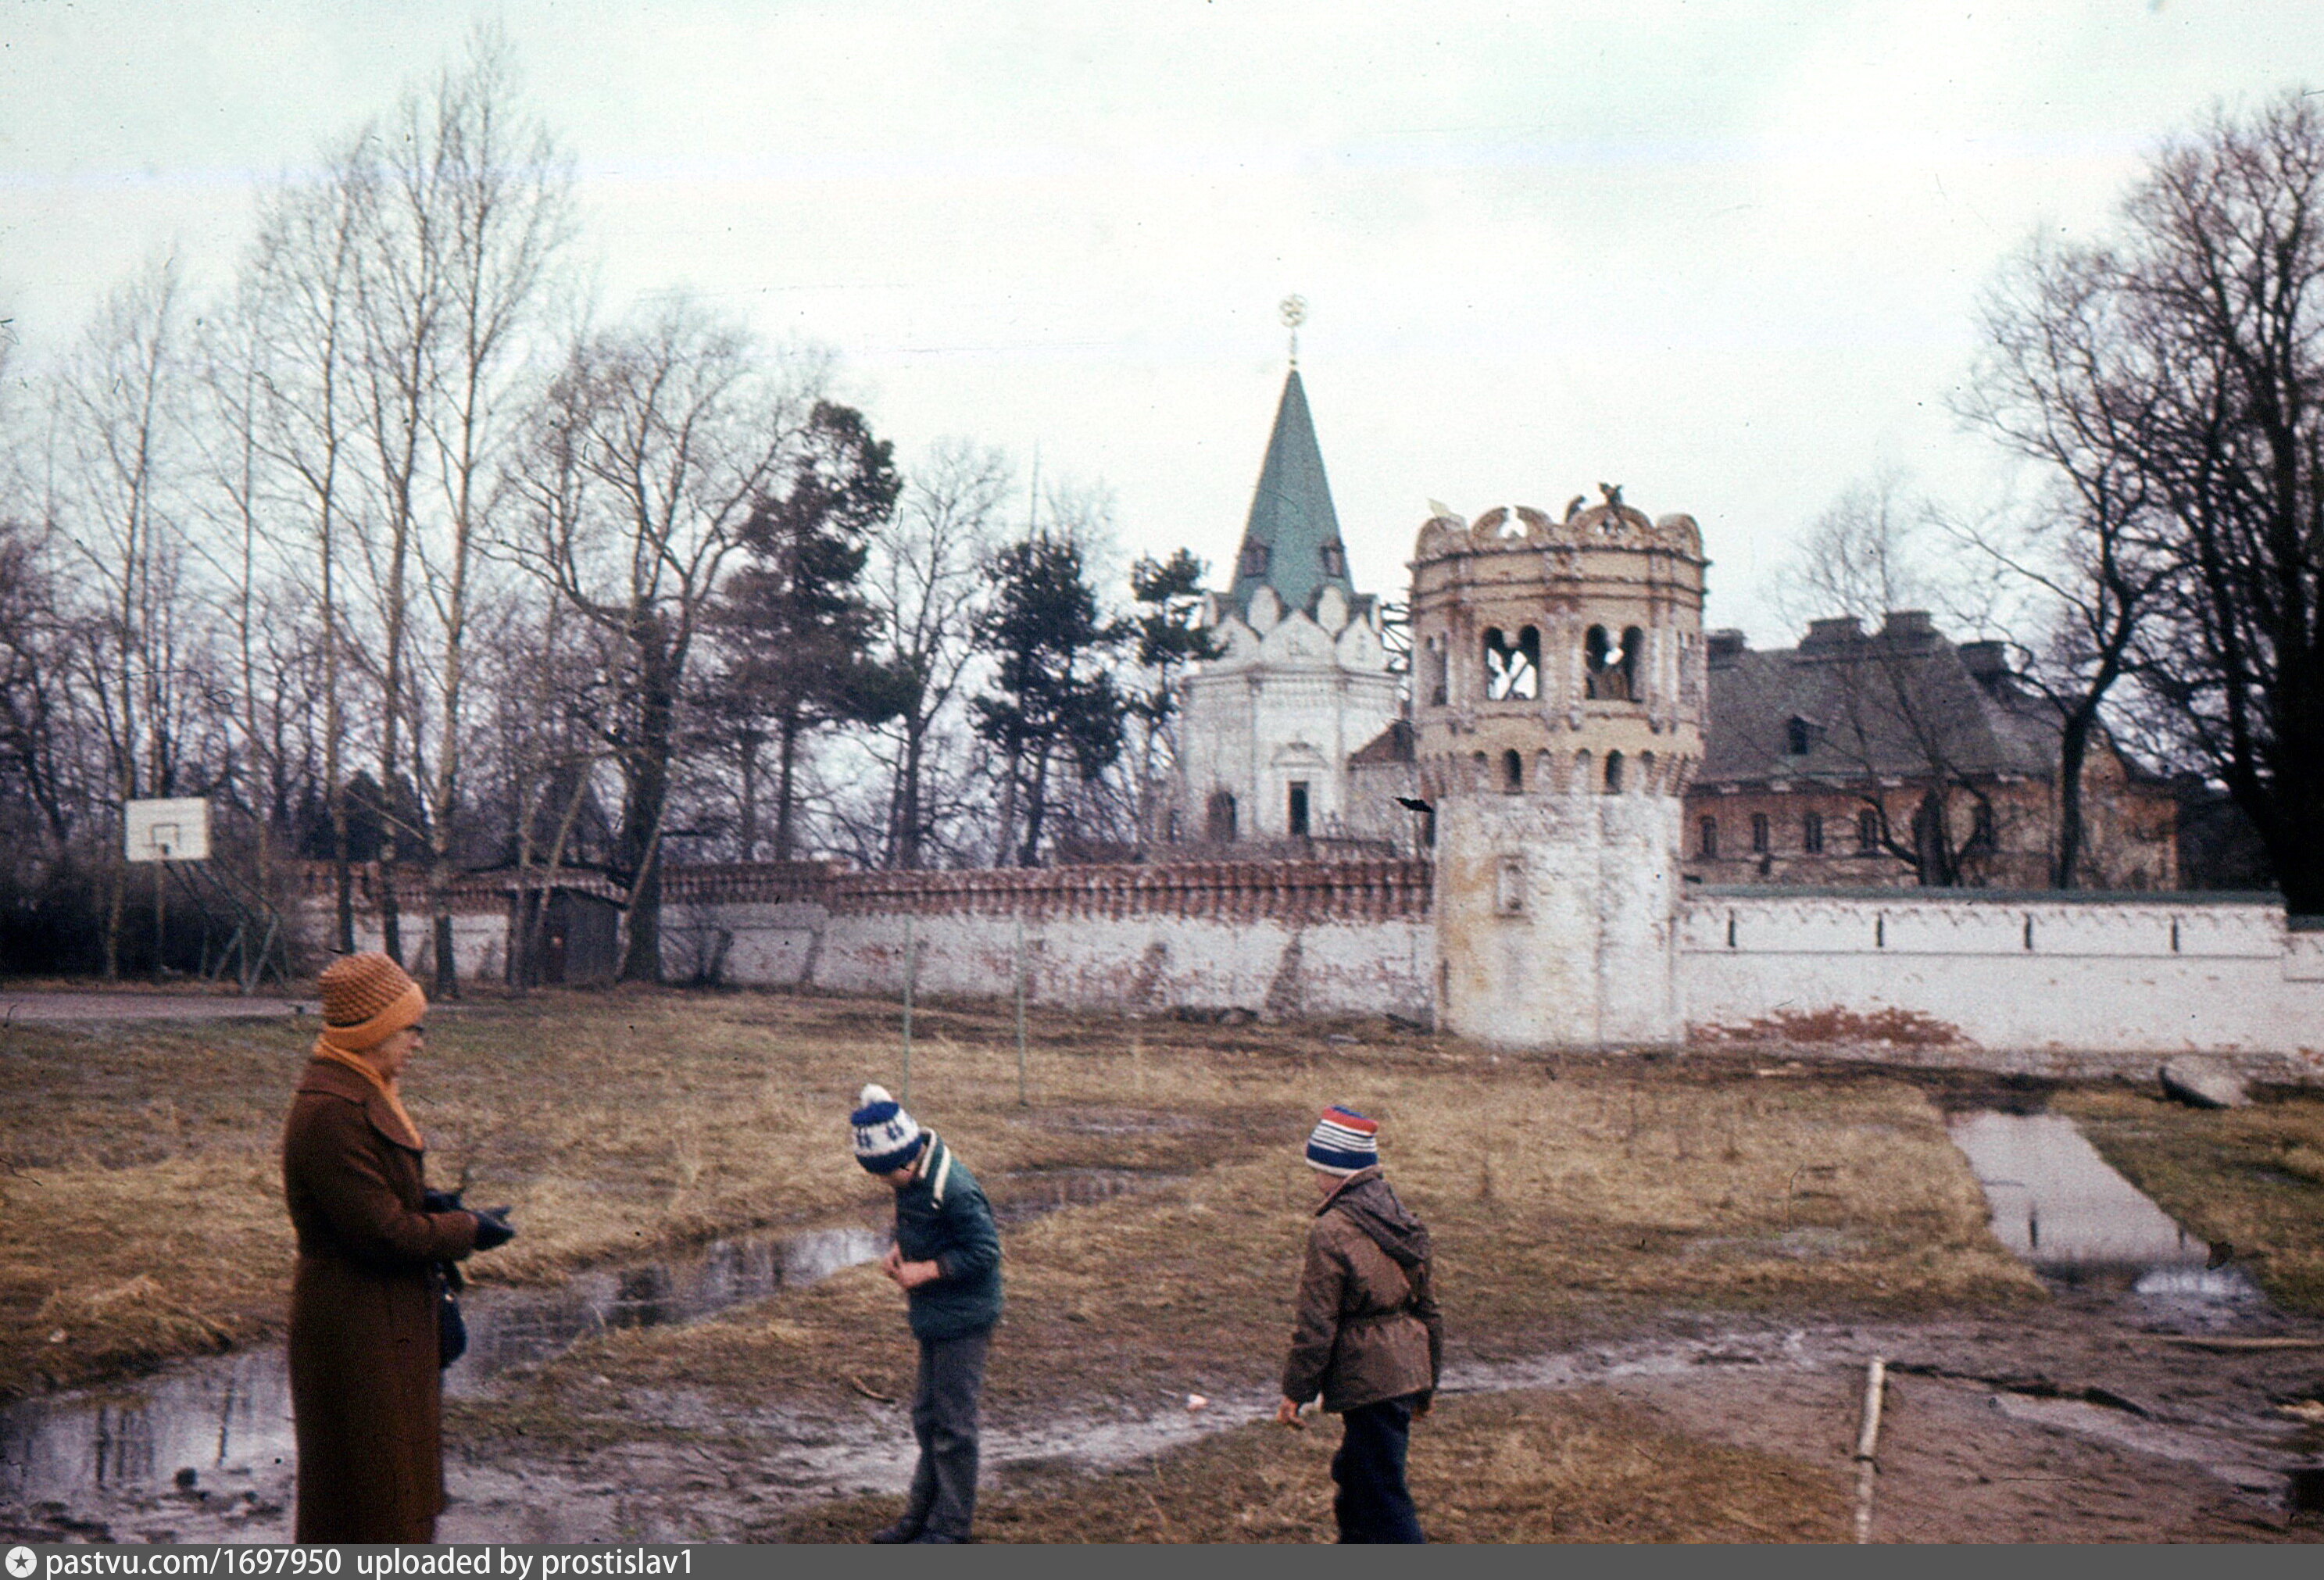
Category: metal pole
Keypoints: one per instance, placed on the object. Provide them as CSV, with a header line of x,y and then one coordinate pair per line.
x,y
1021,1010
911,967
160,870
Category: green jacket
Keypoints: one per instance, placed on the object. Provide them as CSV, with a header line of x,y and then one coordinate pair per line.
x,y
943,1217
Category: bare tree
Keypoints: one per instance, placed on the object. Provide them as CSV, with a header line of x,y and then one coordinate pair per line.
x,y
2095,549
2190,368
1890,708
641,469
927,583
116,493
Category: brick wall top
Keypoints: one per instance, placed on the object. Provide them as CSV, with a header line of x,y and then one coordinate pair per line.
x,y
1378,889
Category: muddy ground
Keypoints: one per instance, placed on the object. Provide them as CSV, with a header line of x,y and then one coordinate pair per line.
x,y
1662,1279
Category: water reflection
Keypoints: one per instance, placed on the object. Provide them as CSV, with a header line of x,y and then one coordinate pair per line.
x,y
228,1420
2057,1203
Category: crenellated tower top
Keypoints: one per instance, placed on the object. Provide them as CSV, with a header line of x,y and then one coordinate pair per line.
x,y
1558,656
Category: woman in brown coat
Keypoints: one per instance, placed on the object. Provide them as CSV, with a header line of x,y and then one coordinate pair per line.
x,y
366,1391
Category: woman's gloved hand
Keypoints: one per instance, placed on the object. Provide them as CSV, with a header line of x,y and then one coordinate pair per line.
x,y
441,1201
493,1227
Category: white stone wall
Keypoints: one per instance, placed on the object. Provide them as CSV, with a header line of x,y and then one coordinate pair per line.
x,y
2036,976
1267,967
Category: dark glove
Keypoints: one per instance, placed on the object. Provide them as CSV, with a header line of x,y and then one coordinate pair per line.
x,y
441,1201
493,1227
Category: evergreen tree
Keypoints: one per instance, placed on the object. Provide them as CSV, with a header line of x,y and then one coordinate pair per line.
x,y
1050,694
794,613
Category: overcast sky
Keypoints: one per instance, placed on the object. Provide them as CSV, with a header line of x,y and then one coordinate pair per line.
x,y
1722,253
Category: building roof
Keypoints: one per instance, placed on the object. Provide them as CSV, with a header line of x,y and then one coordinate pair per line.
x,y
1292,540
1902,702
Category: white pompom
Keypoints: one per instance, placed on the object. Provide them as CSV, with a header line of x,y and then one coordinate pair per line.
x,y
873,1094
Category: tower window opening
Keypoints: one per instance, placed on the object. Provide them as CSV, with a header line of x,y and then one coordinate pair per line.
x,y
1255,557
1759,834
1611,673
1512,669
1298,809
1478,771
1512,772
1707,843
1335,558
1219,821
1614,773
1811,832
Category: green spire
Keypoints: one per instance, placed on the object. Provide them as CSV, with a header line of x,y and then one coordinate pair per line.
x,y
1292,541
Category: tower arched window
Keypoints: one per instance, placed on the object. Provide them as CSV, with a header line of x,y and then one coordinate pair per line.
x,y
1512,665
1614,766
1432,669
1707,841
1512,772
1609,671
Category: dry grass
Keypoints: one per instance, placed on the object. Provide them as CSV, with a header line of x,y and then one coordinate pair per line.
x,y
631,1123
1515,1467
2251,1177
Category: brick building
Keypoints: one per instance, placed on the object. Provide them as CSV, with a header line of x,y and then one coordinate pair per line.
x,y
1898,758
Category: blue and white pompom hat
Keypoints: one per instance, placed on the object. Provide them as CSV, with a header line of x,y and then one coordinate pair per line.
x,y
886,1137
1343,1142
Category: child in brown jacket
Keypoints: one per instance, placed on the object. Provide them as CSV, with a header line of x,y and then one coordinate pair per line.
x,y
1368,1336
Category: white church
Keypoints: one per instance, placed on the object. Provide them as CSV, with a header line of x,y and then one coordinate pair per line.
x,y
1269,730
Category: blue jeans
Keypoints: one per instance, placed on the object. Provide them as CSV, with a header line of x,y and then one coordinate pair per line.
x,y
1373,1505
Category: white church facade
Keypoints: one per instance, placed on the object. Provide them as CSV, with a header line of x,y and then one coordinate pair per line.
x,y
1267,729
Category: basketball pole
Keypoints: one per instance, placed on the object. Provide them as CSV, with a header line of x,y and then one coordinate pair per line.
x,y
160,872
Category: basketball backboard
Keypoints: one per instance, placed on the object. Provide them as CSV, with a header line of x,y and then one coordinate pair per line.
x,y
173,830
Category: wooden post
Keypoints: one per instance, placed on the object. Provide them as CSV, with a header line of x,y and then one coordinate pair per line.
x,y
911,969
1868,1447
1021,1101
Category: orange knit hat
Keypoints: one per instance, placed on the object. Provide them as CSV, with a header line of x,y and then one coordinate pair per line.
x,y
367,998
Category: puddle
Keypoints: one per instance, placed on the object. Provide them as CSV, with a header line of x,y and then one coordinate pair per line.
x,y
2059,1205
1029,1193
227,1422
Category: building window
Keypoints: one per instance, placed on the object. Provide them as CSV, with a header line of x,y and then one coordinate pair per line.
x,y
1434,670
1801,736
1298,809
1868,832
1709,840
1335,558
1512,669
1512,773
1218,823
1811,832
1254,560
1758,834
1613,773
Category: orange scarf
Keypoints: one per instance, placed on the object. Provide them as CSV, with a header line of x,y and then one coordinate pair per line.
x,y
381,1084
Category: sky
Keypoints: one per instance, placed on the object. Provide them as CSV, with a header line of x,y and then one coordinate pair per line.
x,y
1727,256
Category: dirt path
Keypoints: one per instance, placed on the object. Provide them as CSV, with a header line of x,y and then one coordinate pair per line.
x,y
2068,1425
96,1008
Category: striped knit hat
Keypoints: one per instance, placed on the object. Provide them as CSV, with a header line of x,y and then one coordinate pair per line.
x,y
1343,1142
886,1137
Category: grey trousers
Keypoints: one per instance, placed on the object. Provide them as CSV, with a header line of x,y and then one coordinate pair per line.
x,y
943,1500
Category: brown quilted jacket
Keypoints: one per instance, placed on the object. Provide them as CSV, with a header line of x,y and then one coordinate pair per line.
x,y
1367,1328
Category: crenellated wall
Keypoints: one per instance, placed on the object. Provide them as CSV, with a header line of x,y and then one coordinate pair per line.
x,y
2042,983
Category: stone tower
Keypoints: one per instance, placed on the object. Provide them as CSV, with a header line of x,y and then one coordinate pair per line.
x,y
1558,684
1267,727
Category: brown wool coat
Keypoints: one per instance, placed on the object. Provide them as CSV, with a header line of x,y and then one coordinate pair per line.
x,y
1365,1330
365,1391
